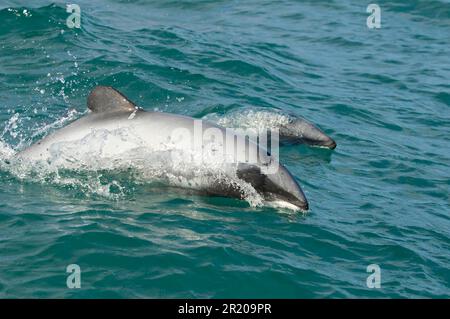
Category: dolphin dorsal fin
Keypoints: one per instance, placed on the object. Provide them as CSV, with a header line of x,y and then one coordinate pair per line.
x,y
107,99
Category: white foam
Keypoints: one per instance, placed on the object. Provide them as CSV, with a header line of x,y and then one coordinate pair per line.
x,y
250,118
6,152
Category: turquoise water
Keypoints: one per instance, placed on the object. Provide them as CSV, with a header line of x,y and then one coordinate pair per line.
x,y
382,197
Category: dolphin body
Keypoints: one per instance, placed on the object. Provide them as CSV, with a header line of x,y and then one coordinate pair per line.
x,y
110,110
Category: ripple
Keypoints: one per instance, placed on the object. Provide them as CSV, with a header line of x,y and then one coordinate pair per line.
x,y
380,197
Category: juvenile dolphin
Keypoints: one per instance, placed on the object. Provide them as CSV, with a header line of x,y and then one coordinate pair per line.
x,y
110,110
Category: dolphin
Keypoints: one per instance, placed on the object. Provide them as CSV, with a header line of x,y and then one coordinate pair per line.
x,y
291,128
109,111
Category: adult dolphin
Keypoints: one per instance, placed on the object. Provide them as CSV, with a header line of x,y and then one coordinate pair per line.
x,y
110,110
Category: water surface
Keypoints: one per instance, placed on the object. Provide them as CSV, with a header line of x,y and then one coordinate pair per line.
x,y
382,197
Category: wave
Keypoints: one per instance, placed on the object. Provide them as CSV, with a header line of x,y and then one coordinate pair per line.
x,y
430,9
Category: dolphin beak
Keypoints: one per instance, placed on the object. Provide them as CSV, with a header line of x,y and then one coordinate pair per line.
x,y
329,143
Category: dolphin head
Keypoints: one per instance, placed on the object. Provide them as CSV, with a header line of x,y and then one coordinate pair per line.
x,y
279,186
282,187
300,130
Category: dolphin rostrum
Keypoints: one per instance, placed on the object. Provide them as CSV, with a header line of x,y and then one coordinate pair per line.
x,y
110,111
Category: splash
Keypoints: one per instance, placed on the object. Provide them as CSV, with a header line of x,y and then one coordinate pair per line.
x,y
6,152
16,129
20,12
251,119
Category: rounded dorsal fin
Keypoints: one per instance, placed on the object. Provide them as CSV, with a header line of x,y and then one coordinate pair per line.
x,y
107,99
